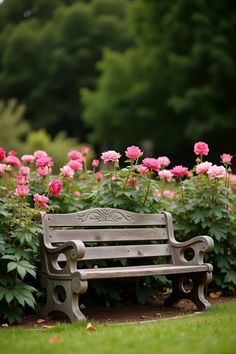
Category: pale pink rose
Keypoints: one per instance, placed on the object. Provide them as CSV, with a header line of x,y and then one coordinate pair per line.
x,y
43,171
179,171
201,148
85,150
226,158
165,175
67,172
13,161
157,193
233,180
133,152
24,171
75,155
21,180
95,163
77,194
2,154
3,168
143,170
98,175
28,158
44,161
163,161
22,190
151,163
41,200
169,194
75,165
203,167
55,187
39,154
215,172
110,156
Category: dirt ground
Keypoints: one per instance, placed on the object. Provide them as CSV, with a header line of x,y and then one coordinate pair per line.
x,y
124,313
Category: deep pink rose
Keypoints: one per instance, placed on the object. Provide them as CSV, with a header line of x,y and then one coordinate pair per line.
x,y
201,148
133,152
2,154
75,165
226,158
75,155
44,161
95,163
165,175
67,172
215,172
13,161
151,163
55,187
39,154
22,190
179,171
163,161
41,200
28,158
203,167
110,156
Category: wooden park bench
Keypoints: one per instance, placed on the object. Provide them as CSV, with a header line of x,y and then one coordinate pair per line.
x,y
109,234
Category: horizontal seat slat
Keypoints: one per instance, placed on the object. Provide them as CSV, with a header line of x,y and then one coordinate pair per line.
x,y
103,218
108,235
120,272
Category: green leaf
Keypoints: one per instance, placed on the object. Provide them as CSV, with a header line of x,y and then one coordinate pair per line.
x,y
11,266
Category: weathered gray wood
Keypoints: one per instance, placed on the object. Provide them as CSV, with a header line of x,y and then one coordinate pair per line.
x,y
105,233
109,235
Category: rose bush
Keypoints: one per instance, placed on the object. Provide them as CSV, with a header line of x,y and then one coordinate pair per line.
x,y
201,199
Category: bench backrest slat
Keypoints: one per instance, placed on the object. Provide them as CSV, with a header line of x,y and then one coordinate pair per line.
x,y
109,235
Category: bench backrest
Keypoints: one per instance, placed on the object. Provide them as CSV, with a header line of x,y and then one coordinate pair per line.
x,y
112,233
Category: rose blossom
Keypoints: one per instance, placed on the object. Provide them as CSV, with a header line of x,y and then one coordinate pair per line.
x,y
151,163
24,171
216,172
75,165
22,190
55,187
201,148
143,170
110,155
67,172
233,180
98,175
85,150
28,158
75,155
13,161
39,154
133,152
169,194
21,180
95,163
203,167
77,194
226,158
2,154
44,161
165,175
3,168
179,171
163,161
43,171
41,200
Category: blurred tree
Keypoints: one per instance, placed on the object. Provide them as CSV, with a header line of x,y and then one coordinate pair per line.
x,y
45,61
12,123
177,86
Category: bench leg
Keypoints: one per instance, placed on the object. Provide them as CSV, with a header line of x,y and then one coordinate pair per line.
x,y
190,286
63,296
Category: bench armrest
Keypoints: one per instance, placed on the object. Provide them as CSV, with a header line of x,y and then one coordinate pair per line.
x,y
74,249
199,245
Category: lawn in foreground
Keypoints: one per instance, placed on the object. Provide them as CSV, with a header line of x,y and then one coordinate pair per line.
x,y
211,332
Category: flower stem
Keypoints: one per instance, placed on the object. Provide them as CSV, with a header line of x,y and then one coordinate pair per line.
x,y
128,176
148,188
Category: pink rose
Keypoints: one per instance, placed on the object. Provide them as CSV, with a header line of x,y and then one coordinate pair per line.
x,y
75,155
24,171
44,161
179,171
143,170
77,194
28,158
12,153
203,167
39,154
13,161
169,194
98,175
67,172
85,150
41,200
2,154
232,179
95,163
201,148
75,165
3,168
151,163
163,161
21,180
133,152
55,187
22,190
215,172
43,171
226,158
165,175
111,156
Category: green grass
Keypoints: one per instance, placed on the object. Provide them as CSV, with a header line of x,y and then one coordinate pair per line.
x,y
213,332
